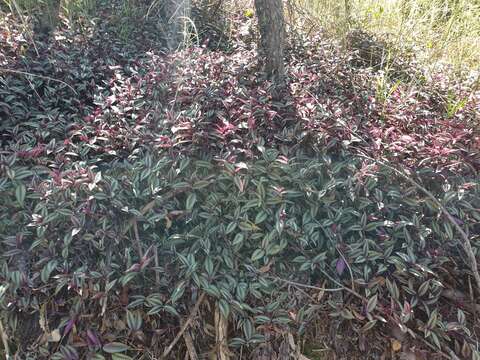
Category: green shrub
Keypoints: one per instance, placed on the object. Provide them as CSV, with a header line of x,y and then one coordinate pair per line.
x,y
230,230
160,178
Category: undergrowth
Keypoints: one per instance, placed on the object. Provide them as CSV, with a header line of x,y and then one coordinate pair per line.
x,y
134,183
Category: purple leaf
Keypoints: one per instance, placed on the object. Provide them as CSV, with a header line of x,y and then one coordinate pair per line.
x,y
69,326
340,266
92,339
457,220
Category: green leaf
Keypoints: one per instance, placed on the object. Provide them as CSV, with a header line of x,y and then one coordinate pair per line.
x,y
191,199
97,357
261,216
201,184
224,308
155,310
347,314
171,310
178,292
121,357
236,342
393,289
115,347
274,249
262,319
230,227
368,325
209,265
422,290
20,192
242,291
448,230
245,226
134,320
372,303
238,240
258,254
47,270
432,320
247,329
305,266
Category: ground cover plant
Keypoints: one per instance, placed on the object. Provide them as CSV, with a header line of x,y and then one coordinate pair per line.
x,y
165,204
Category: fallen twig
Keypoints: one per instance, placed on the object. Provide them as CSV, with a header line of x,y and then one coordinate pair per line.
x,y
192,353
185,325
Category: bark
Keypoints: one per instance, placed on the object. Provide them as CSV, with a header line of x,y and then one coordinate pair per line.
x,y
271,24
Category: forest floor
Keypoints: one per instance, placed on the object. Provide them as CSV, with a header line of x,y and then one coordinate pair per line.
x,y
96,121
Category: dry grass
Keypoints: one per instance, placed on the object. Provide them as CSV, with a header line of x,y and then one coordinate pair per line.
x,y
439,31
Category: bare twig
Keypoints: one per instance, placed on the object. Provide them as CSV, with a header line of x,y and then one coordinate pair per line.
x,y
348,267
472,299
185,325
137,239
143,211
192,353
39,76
4,341
340,288
157,275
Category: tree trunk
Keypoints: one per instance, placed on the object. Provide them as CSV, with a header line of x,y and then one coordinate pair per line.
x,y
271,24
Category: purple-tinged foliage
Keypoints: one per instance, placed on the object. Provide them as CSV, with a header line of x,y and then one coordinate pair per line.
x,y
230,184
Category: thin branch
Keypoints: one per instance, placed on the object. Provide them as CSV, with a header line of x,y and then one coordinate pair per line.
x,y
348,267
143,211
4,341
192,353
185,325
39,76
157,264
138,244
340,288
